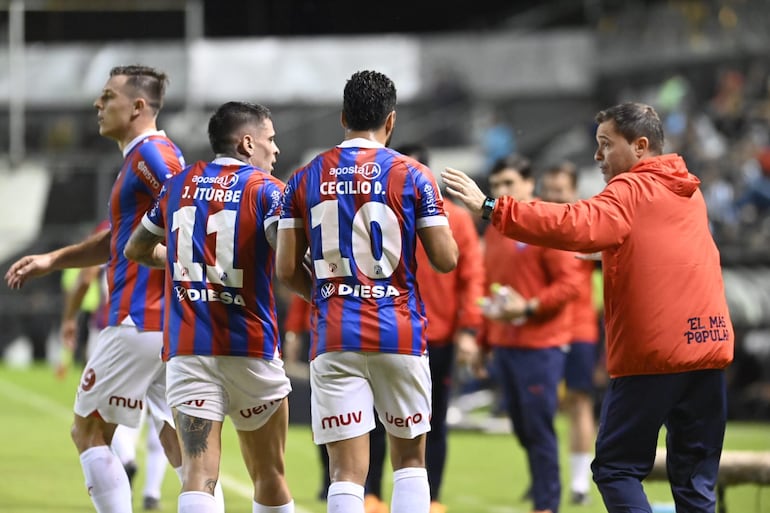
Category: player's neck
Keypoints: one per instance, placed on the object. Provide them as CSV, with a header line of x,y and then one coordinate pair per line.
x,y
373,135
134,131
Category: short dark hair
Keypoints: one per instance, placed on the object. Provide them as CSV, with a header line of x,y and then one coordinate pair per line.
x,y
231,117
417,151
521,164
566,168
368,99
634,120
147,82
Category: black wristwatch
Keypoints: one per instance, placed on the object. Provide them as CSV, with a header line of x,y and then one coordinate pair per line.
x,y
487,207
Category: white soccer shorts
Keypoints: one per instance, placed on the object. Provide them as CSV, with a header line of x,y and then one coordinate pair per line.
x,y
249,390
124,375
347,386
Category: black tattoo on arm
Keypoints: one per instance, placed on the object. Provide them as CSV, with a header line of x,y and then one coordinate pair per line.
x,y
194,434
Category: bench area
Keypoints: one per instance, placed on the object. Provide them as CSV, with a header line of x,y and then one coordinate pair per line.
x,y
736,467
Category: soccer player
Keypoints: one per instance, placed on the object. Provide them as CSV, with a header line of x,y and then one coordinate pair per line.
x,y
668,329
125,369
559,185
360,207
219,220
529,336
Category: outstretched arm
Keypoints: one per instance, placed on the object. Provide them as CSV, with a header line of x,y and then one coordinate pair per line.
x,y
94,250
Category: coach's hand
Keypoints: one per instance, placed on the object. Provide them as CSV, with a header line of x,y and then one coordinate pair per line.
x,y
462,187
27,267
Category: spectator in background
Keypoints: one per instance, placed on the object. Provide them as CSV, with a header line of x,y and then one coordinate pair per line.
x,y
529,336
360,207
668,329
223,353
559,185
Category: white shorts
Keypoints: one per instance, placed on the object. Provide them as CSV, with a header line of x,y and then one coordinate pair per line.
x,y
347,386
249,390
124,375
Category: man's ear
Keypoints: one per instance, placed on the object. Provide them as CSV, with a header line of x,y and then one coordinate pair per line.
x,y
390,122
139,105
246,145
641,146
343,120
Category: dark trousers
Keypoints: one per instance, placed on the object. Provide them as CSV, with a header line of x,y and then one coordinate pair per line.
x,y
441,360
529,379
693,407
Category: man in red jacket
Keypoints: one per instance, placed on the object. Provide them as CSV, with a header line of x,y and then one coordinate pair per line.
x,y
669,335
529,337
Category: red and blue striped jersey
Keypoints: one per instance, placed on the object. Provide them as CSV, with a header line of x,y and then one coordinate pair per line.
x,y
135,291
360,205
219,267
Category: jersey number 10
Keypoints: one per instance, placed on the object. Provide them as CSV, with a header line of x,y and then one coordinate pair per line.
x,y
334,264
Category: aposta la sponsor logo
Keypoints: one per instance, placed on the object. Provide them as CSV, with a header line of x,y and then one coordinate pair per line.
x,y
225,182
368,170
363,291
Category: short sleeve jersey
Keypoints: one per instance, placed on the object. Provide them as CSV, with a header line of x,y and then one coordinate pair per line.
x,y
135,291
360,205
219,294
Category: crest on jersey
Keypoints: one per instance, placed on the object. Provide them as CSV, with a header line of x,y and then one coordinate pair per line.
x,y
327,290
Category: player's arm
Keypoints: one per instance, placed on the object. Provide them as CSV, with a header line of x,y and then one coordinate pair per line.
x,y
440,246
289,256
72,303
94,250
144,246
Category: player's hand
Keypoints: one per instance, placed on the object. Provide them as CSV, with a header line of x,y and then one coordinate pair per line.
x,y
27,267
466,347
462,187
68,333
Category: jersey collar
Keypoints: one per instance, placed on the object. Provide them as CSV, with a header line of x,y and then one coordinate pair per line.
x,y
228,161
360,142
130,146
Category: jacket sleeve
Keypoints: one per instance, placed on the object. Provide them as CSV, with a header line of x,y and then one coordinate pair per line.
x,y
564,271
595,224
470,272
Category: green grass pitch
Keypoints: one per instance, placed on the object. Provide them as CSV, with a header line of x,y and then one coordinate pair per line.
x,y
485,473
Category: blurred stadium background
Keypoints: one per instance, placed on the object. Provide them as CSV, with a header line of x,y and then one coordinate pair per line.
x,y
473,81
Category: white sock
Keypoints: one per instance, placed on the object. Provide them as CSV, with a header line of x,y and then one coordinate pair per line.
x,y
580,465
106,480
345,497
411,493
124,443
156,464
219,496
196,502
286,508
